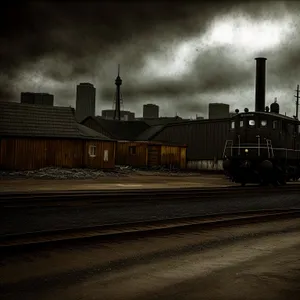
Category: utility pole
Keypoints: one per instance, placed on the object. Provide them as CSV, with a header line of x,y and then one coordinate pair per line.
x,y
297,101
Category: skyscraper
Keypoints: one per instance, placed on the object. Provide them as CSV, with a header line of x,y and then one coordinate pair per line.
x,y
150,111
85,101
218,111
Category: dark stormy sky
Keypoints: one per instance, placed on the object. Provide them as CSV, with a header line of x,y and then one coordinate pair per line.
x,y
180,56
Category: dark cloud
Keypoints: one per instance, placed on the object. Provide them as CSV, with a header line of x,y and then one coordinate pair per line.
x,y
73,40
213,71
74,31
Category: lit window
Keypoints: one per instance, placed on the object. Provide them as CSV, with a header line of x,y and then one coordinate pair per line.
x,y
92,150
232,125
241,123
251,122
132,150
275,125
263,123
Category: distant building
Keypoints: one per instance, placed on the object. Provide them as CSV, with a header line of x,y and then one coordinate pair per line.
x,y
85,101
218,111
125,115
199,118
37,98
150,111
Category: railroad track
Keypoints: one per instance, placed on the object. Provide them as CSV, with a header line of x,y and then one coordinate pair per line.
x,y
109,196
141,229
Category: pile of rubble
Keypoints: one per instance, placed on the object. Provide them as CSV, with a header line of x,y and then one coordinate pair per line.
x,y
119,171
59,173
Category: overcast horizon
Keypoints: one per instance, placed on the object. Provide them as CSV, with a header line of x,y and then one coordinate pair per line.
x,y
178,56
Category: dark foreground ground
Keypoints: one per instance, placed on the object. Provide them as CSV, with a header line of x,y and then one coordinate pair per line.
x,y
258,261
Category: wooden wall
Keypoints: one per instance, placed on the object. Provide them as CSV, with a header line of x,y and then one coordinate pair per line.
x,y
36,153
149,154
173,156
102,160
125,157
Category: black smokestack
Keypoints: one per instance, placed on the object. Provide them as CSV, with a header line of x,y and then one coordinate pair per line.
x,y
260,85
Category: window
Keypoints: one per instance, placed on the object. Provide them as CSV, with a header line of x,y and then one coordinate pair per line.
x,y
251,123
241,123
105,155
299,129
132,150
275,125
263,123
92,150
232,125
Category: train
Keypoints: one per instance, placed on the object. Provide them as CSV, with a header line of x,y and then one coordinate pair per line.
x,y
263,146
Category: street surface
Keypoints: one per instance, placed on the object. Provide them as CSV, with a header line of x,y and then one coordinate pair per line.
x,y
255,261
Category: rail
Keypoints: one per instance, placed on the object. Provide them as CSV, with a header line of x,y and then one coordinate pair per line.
x,y
141,228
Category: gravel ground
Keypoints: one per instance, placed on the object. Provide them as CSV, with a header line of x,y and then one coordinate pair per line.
x,y
17,220
61,173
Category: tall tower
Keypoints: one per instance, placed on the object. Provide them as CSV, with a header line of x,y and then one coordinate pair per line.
x,y
150,111
85,101
260,84
118,97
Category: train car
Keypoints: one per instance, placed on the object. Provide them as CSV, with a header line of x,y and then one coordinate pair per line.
x,y
262,146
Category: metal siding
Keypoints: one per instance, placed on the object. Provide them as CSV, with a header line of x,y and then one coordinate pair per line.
x,y
204,140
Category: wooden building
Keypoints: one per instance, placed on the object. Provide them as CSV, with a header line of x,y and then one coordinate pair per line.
x,y
33,137
133,146
147,154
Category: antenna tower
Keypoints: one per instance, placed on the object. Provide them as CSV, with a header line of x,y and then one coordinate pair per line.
x,y
118,102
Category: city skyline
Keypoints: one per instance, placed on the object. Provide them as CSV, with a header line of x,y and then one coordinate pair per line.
x,y
205,53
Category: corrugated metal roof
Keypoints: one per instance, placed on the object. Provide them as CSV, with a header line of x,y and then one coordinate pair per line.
x,y
30,120
121,130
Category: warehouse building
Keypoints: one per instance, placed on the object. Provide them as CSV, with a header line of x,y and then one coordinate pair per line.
x,y
205,140
34,136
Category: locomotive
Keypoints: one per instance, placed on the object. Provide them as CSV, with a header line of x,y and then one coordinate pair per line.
x,y
262,146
